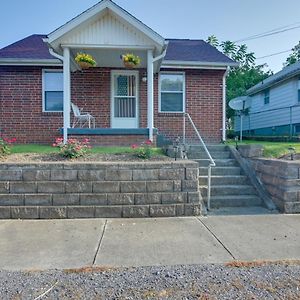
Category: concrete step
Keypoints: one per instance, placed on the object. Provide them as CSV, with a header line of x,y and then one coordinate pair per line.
x,y
210,147
226,162
228,190
203,155
235,201
224,180
217,171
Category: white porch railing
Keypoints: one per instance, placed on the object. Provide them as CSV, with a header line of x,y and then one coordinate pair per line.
x,y
211,160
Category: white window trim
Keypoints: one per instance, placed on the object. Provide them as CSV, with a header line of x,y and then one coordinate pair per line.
x,y
264,97
43,90
159,92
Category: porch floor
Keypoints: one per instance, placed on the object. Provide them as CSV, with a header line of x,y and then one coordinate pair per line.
x,y
106,131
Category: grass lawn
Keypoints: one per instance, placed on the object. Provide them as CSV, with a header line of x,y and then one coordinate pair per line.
x,y
271,149
34,148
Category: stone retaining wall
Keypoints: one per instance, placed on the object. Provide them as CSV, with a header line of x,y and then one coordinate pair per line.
x,y
282,180
88,190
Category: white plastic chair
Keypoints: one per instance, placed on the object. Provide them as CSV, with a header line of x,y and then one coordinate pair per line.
x,y
82,118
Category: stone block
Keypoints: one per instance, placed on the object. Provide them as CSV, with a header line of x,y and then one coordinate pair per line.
x,y
79,187
91,175
290,195
108,212
65,199
162,210
133,187
194,197
180,210
36,175
27,212
191,173
106,187
177,186
173,198
119,175
151,174
192,209
249,151
51,187
147,198
38,199
66,175
93,199
5,212
160,186
292,207
171,174
11,175
140,211
53,212
4,187
120,199
23,187
190,185
77,212
11,200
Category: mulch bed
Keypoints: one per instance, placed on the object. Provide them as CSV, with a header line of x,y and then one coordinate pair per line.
x,y
94,157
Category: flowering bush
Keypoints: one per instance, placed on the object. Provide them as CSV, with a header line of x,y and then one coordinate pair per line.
x,y
131,58
82,57
143,150
5,145
73,148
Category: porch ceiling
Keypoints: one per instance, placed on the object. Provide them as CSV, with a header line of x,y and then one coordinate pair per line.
x,y
112,57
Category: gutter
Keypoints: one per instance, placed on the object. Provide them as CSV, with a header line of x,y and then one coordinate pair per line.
x,y
224,105
198,64
29,62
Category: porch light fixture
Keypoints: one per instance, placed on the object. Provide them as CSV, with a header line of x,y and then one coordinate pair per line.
x,y
144,79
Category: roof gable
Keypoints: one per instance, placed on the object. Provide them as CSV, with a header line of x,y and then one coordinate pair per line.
x,y
95,20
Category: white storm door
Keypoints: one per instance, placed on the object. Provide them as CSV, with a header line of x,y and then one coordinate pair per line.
x,y
124,87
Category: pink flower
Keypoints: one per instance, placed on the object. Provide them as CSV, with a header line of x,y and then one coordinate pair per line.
x,y
148,142
134,146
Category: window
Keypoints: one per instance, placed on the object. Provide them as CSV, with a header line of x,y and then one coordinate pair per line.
x,y
299,91
267,97
52,90
172,92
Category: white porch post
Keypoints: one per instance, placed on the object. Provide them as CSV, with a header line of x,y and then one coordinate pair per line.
x,y
67,92
150,115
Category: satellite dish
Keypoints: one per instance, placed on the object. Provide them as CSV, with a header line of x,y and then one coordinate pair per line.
x,y
240,103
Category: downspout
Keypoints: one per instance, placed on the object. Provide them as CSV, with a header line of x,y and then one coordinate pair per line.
x,y
224,105
51,51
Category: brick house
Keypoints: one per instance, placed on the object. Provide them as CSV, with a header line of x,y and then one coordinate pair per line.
x,y
39,79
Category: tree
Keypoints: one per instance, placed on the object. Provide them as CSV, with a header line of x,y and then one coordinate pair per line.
x,y
294,56
239,79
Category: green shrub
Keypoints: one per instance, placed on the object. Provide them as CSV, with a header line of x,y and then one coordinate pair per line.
x,y
73,148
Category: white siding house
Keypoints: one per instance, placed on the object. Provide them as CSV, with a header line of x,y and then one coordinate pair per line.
x,y
275,105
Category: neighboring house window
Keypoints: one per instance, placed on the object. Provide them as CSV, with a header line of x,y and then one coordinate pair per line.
x,y
267,97
299,90
52,91
172,92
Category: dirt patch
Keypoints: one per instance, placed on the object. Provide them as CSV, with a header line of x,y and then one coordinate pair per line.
x,y
288,157
93,157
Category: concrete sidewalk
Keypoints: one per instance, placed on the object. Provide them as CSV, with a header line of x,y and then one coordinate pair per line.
x,y
65,244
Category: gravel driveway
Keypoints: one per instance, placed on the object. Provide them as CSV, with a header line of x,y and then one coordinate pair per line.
x,y
204,282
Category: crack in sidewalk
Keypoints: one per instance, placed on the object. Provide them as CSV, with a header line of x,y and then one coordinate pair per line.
x,y
215,236
100,242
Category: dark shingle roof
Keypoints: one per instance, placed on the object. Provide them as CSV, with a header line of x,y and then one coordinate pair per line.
x,y
194,50
31,47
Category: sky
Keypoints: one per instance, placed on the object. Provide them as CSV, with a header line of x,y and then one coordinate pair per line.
x,y
193,19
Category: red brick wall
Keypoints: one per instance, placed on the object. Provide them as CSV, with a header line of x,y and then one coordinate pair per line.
x,y
21,113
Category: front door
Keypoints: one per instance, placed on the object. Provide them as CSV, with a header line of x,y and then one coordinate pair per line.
x,y
124,102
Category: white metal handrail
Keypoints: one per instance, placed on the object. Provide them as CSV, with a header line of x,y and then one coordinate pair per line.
x,y
211,160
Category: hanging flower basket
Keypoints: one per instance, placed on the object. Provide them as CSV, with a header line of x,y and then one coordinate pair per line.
x,y
85,61
130,60
84,65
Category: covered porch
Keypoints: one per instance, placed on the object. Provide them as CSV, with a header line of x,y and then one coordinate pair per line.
x,y
119,99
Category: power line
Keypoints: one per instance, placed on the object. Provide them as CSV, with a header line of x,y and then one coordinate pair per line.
x,y
270,32
273,54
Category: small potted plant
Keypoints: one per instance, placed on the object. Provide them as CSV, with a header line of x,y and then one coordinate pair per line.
x,y
85,61
130,60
